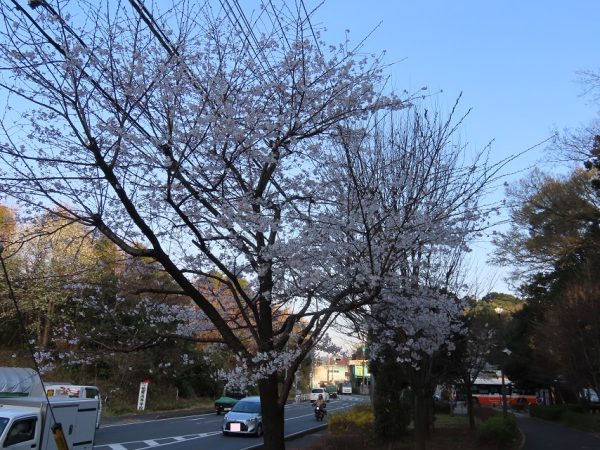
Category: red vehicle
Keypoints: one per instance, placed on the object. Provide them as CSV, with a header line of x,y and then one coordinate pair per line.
x,y
487,391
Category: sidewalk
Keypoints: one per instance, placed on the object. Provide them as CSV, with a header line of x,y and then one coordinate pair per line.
x,y
546,435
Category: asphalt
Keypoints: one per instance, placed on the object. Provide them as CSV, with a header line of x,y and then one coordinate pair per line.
x,y
545,435
536,434
297,441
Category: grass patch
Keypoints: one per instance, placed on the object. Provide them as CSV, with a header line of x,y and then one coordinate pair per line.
x,y
451,433
120,408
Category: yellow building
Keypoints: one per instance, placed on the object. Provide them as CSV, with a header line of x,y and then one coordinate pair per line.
x,y
330,374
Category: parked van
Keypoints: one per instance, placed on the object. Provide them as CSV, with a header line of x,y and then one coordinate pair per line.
x,y
75,391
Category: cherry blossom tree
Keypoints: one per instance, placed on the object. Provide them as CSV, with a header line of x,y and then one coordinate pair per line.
x,y
223,148
424,188
201,145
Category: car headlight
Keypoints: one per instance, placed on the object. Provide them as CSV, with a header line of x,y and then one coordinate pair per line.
x,y
252,420
225,416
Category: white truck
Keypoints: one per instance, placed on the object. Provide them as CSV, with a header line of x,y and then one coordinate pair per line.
x,y
26,422
23,382
54,389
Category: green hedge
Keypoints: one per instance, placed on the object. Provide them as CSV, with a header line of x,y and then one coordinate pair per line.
x,y
500,430
358,420
550,412
571,415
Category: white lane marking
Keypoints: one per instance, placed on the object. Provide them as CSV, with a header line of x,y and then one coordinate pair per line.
x,y
154,444
136,422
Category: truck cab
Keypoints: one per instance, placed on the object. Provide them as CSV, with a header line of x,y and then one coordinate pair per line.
x,y
20,427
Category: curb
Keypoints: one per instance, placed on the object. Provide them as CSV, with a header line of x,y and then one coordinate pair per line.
x,y
293,436
523,439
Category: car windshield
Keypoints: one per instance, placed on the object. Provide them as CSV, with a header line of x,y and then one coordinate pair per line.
x,y
247,407
3,422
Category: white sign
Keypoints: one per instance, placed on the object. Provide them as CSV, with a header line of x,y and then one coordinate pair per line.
x,y
142,396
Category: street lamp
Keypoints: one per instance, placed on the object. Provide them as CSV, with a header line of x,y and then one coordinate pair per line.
x,y
363,365
504,405
507,352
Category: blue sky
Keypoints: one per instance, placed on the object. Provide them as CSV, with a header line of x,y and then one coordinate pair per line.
x,y
515,62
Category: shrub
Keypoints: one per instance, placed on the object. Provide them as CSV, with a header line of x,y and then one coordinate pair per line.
x,y
357,420
441,407
499,429
484,414
550,412
391,402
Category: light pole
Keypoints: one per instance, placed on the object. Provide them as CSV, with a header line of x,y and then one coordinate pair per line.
x,y
504,405
507,352
363,365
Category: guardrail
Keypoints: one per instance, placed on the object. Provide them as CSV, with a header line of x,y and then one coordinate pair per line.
x,y
302,398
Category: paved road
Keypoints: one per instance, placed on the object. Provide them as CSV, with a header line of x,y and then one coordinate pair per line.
x,y
197,431
546,435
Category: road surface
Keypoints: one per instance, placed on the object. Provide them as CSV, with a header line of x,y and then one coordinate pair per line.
x,y
203,430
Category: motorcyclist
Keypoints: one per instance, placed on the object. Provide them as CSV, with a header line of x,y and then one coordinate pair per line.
x,y
320,403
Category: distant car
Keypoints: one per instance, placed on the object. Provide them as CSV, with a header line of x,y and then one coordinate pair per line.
x,y
332,391
314,394
227,401
245,418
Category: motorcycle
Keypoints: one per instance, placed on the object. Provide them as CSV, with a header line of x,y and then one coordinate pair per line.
x,y
319,412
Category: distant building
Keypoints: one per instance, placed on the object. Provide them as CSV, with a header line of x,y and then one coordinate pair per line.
x,y
360,375
330,374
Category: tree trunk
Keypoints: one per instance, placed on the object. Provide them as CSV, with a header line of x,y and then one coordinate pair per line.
x,y
46,325
420,419
469,394
272,413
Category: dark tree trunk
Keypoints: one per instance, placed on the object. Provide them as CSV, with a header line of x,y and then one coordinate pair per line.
x,y
272,412
420,419
469,393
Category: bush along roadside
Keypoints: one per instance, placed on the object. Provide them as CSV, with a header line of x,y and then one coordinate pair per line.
x,y
499,430
571,415
358,420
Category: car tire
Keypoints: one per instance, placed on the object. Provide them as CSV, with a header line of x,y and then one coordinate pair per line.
x,y
225,433
218,412
259,431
